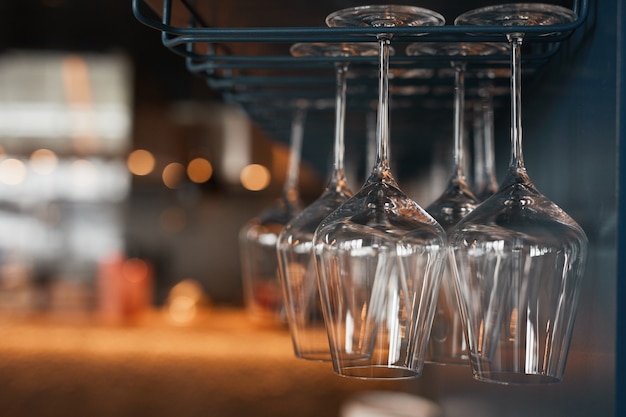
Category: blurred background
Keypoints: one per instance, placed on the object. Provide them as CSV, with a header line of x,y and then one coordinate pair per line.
x,y
123,187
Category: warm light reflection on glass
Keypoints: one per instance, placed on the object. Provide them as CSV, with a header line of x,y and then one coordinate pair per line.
x,y
255,177
199,170
12,171
140,162
43,161
513,325
173,174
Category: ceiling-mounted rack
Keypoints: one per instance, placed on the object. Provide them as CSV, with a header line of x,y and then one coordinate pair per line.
x,y
251,65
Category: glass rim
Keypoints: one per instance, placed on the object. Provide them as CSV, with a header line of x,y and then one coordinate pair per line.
x,y
494,15
452,49
356,16
332,49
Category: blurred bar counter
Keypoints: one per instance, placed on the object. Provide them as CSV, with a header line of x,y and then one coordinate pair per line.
x,y
220,364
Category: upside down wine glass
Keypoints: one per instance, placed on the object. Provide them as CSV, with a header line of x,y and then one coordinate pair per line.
x,y
295,243
257,239
485,183
379,256
447,344
519,258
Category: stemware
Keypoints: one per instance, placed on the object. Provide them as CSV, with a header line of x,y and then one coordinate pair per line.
x,y
379,256
447,342
295,243
257,239
485,182
518,257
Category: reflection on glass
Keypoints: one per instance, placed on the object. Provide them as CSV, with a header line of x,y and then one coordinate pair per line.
x,y
295,243
447,342
259,236
379,256
519,258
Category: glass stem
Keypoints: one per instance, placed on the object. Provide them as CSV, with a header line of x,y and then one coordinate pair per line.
x,y
290,189
338,174
371,126
479,151
517,159
382,132
488,145
459,113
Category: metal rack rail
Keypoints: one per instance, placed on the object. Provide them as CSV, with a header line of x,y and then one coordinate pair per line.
x,y
252,66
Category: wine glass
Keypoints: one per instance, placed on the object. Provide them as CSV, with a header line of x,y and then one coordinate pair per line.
x,y
258,237
519,258
447,341
295,243
485,181
379,256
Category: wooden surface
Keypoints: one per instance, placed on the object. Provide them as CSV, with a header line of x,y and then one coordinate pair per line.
x,y
220,365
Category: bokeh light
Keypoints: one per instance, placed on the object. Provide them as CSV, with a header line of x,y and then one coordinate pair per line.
x,y
173,174
184,300
255,177
43,161
12,171
199,170
140,162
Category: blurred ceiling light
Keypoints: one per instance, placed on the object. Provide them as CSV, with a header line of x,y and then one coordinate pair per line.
x,y
140,162
43,161
255,177
199,170
173,174
12,171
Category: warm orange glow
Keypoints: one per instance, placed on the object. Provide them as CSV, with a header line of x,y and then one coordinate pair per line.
x,y
76,79
135,270
43,161
12,171
513,325
182,310
183,301
140,162
199,170
79,96
173,174
255,177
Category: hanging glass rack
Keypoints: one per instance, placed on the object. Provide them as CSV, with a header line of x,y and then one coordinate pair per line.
x,y
251,66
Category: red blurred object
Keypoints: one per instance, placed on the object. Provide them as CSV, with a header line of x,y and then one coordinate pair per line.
x,y
124,287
